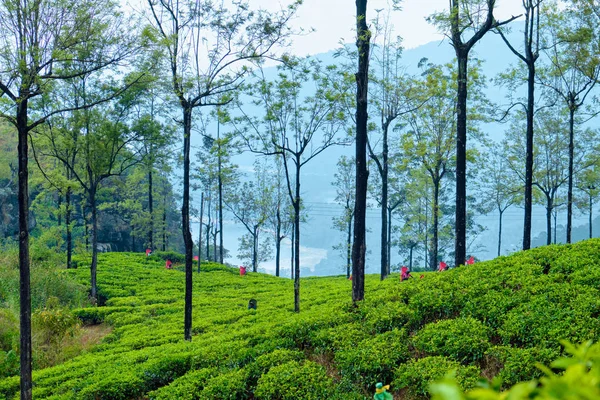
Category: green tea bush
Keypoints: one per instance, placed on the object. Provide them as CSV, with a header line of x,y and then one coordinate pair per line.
x,y
265,362
229,385
292,380
462,339
186,387
373,359
518,364
416,375
579,379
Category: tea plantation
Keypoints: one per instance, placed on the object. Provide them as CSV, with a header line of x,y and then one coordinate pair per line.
x,y
492,319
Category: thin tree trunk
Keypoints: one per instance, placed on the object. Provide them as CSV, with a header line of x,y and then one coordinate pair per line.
x,y
500,231
94,266
590,214
435,211
278,240
461,161
164,244
151,211
220,202
59,205
362,174
255,250
529,155
349,244
389,241
555,216
384,206
570,189
200,231
24,266
185,224
549,221
297,239
208,238
68,226
293,240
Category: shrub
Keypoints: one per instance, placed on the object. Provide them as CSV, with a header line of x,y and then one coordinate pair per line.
x,y
462,339
373,359
292,381
416,375
229,385
265,362
186,387
519,364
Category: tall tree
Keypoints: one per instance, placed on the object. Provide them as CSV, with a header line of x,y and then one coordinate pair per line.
x,y
462,17
207,45
393,94
344,195
359,245
499,185
588,182
280,222
529,55
293,124
571,73
250,205
43,43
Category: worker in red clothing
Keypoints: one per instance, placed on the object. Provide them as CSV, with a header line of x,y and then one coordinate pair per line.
x,y
169,264
443,266
404,274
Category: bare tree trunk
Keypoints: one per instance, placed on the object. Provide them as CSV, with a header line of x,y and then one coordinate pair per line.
x,y
164,218
435,210
384,206
500,231
220,204
389,241
529,154
200,231
185,224
362,174
549,221
348,246
278,240
24,265
94,266
297,239
68,226
151,211
460,230
590,214
255,249
570,189
293,240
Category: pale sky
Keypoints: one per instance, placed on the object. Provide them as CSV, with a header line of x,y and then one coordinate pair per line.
x,y
335,19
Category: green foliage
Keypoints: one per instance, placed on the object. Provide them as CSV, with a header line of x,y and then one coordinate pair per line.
x,y
499,317
579,379
415,375
462,339
293,380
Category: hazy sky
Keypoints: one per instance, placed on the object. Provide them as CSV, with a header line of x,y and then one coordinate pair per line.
x,y
334,20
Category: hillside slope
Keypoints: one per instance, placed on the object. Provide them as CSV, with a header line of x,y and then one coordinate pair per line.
x,y
496,318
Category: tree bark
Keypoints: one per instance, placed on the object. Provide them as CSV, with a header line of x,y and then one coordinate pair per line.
x,y
362,174
292,257
220,202
24,263
389,240
297,239
255,249
278,239
151,211
460,231
529,154
435,211
200,231
185,213
384,206
549,207
500,231
570,189
349,244
94,266
68,227
590,214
